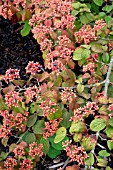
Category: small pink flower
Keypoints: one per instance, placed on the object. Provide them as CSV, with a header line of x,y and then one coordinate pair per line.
x,y
12,98
11,74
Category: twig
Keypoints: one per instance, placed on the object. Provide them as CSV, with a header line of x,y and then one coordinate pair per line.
x,y
87,85
18,29
101,146
66,163
56,165
107,77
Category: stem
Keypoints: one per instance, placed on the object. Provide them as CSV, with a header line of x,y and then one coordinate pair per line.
x,y
87,85
107,77
65,164
55,166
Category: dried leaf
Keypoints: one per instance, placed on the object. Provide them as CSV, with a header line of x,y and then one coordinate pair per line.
x,y
26,14
44,76
73,167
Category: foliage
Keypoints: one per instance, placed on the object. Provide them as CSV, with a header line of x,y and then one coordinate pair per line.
x,y
64,108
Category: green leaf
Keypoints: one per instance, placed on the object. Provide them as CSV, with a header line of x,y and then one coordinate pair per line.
x,y
103,153
109,131
80,88
39,126
84,19
81,53
90,160
57,146
77,137
108,168
110,144
3,106
110,121
77,55
105,57
44,55
98,2
90,16
26,29
46,145
53,153
101,162
86,53
60,134
77,127
88,142
108,18
66,119
30,138
18,109
102,14
31,120
3,155
111,77
107,8
97,125
110,90
76,5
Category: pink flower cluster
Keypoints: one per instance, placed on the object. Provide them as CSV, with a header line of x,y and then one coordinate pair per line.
x,y
10,163
11,74
8,123
110,108
52,16
35,150
85,111
76,153
19,121
19,151
33,68
89,67
51,128
26,164
87,34
12,98
67,95
47,107
99,25
56,66
9,8
31,93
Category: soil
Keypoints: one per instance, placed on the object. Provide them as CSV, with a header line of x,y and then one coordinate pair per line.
x,y
16,51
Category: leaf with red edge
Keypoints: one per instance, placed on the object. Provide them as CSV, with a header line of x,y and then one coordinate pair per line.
x,y
69,77
44,76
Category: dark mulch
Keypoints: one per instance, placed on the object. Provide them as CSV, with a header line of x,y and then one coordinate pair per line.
x,y
16,51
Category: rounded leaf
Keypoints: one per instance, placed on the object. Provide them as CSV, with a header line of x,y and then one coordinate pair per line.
x,y
109,131
53,153
39,126
31,120
97,125
103,153
60,134
30,138
90,160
